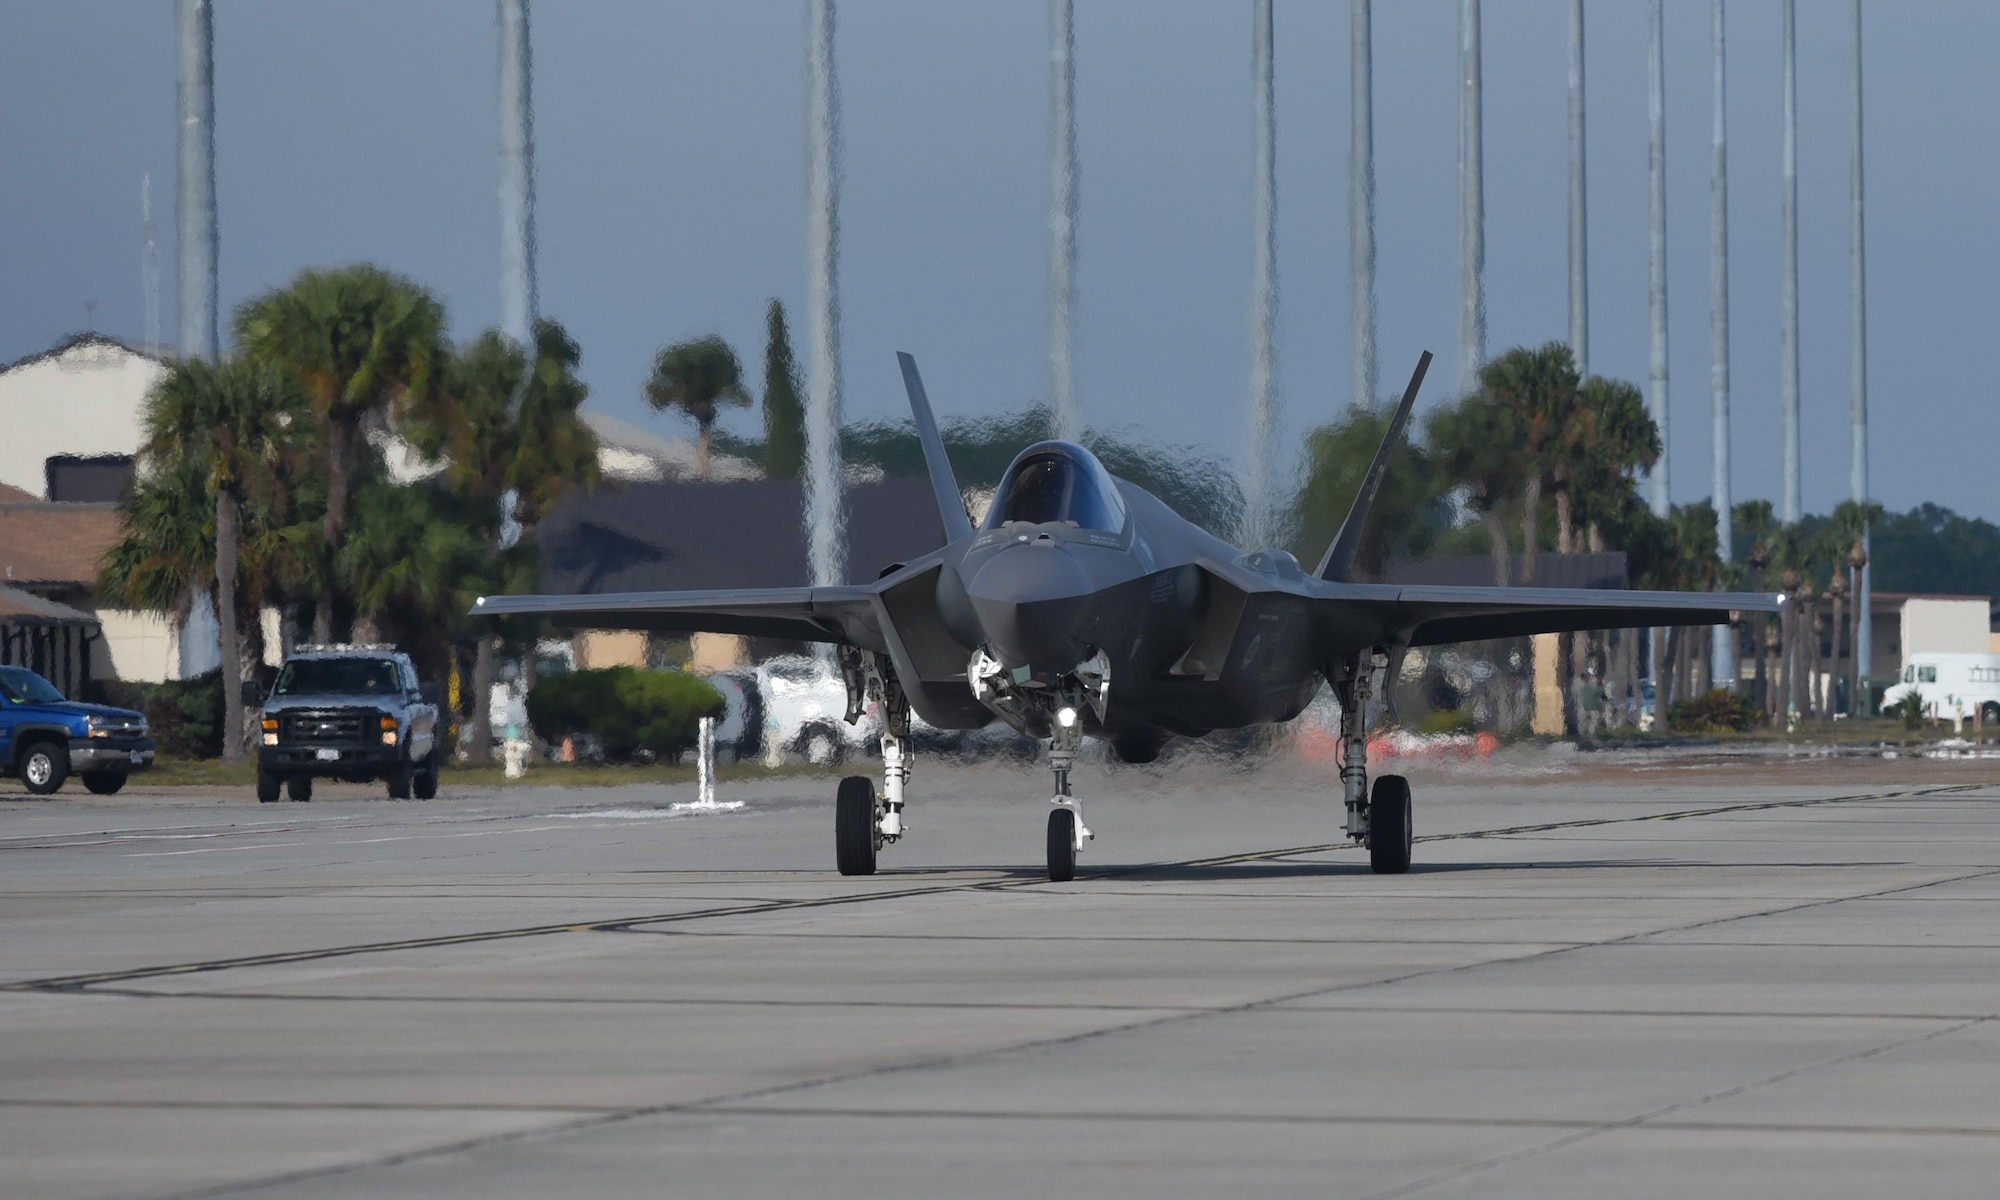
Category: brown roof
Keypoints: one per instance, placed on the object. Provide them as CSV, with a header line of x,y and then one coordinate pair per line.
x,y
56,543
19,606
9,494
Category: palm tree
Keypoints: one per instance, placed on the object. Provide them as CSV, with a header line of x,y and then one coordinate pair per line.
x,y
1539,388
1475,444
231,423
526,456
697,377
1756,525
417,559
359,341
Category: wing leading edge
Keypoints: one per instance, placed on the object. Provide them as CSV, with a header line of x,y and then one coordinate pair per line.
x,y
827,614
1430,616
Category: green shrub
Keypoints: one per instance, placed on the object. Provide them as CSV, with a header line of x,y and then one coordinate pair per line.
x,y
1911,709
626,709
1449,720
186,716
1713,712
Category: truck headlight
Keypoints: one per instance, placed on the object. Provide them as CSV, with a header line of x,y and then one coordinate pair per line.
x,y
270,727
388,731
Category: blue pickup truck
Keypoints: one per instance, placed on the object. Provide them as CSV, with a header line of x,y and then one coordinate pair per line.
x,y
44,739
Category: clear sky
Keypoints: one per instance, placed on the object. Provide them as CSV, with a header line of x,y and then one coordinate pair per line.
x,y
671,182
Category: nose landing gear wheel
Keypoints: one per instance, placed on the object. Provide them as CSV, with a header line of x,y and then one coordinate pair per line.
x,y
856,834
1390,830
1062,846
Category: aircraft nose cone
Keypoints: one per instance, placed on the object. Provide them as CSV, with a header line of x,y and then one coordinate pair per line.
x,y
1029,600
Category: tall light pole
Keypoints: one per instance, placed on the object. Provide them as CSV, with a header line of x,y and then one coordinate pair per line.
x,y
824,523
1858,471
149,266
517,176
1718,335
1361,199
1259,515
1656,391
1788,387
195,26
1062,219
1472,200
1579,246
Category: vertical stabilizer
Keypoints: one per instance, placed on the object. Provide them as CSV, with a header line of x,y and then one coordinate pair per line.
x,y
951,505
1339,560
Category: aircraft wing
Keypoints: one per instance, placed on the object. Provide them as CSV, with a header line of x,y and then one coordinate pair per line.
x,y
827,614
1430,616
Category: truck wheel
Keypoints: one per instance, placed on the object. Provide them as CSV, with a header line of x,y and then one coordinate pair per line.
x,y
268,786
425,784
44,766
399,781
104,783
299,788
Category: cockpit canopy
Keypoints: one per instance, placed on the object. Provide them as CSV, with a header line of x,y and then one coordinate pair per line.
x,y
1058,483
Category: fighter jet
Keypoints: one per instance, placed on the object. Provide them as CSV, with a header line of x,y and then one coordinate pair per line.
x,y
1083,606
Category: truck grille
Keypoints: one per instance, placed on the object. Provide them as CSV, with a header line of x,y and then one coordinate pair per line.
x,y
327,726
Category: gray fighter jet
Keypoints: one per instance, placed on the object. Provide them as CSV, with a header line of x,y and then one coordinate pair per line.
x,y
1082,606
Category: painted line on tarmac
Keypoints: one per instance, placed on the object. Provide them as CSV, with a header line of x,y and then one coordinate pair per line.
x,y
74,983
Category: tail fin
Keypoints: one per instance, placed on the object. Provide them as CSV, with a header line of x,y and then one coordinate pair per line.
x,y
1339,560
951,505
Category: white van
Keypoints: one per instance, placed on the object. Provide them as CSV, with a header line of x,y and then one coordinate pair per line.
x,y
1951,685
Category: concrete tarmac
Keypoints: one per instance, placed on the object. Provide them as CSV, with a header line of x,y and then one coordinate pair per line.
x,y
1635,977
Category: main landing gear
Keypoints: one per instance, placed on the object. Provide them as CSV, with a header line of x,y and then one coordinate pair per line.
x,y
864,820
1379,819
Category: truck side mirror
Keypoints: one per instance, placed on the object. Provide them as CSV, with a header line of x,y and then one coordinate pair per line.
x,y
253,694
429,692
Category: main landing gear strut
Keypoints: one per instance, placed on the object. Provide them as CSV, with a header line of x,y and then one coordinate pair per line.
x,y
1381,819
865,820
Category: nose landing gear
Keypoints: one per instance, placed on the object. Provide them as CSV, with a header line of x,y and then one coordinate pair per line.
x,y
1067,832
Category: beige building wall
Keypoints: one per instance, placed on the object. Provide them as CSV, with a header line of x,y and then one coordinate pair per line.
x,y
137,647
1945,627
710,652
610,648
86,400
1548,686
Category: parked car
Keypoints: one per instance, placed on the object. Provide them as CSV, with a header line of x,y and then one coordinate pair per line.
x,y
355,713
45,738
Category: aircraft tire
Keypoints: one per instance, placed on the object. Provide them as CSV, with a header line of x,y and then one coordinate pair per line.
x,y
1390,828
1062,846
854,825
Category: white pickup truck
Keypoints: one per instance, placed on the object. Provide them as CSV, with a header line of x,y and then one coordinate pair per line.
x,y
1952,685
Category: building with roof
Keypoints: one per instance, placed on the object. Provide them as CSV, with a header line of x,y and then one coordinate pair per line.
x,y
81,402
50,552
676,535
53,640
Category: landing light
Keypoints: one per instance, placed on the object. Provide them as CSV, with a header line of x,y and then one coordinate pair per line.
x,y
1066,717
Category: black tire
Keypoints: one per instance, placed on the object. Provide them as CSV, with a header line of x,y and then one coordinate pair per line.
x,y
104,783
1062,846
399,781
854,828
43,766
1390,828
269,785
425,785
299,788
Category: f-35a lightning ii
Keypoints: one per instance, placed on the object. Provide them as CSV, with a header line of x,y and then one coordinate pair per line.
x,y
1083,606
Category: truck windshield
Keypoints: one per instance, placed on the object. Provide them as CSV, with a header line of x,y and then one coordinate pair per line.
x,y
22,686
337,677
